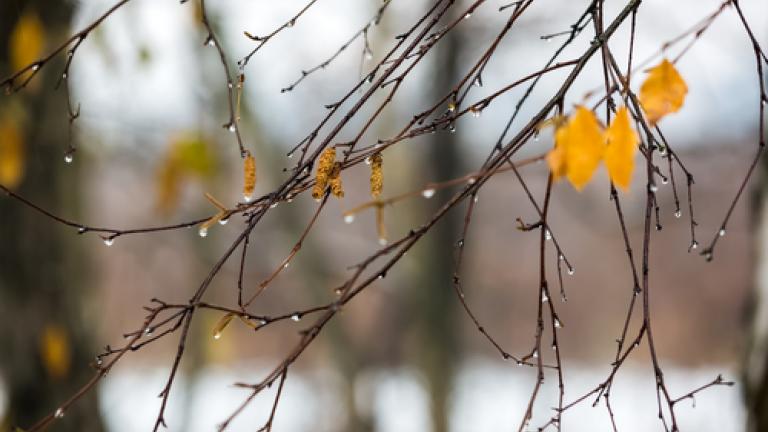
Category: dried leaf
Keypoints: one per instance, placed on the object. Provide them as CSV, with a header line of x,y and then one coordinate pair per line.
x,y
622,143
221,325
325,164
11,154
377,175
579,147
663,91
27,42
249,176
55,351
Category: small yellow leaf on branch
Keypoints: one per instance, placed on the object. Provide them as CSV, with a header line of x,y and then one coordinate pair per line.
x,y
377,175
325,164
579,147
221,325
663,91
249,177
621,148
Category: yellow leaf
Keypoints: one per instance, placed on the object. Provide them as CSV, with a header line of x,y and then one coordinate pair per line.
x,y
26,42
579,147
249,176
663,92
620,152
11,154
55,351
221,325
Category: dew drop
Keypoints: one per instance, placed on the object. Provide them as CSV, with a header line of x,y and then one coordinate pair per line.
x,y
290,155
285,266
210,42
247,197
561,257
99,361
223,221
203,232
721,232
460,243
468,15
519,363
217,335
471,180
82,230
382,241
428,193
678,214
664,180
547,235
59,413
229,85
653,188
232,127
68,158
148,331
36,67
349,218
64,76
273,205
694,244
558,324
295,317
476,112
536,354
544,298
570,271
368,160
109,241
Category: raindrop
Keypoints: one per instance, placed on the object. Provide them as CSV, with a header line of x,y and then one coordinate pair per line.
x,y
382,241
203,232
229,85
547,235
349,218
273,205
217,335
694,244
368,55
296,317
721,232
148,331
368,160
291,23
59,413
460,243
570,271
99,361
428,193
109,241
471,180
64,76
290,155
232,127
544,298
558,324
247,197
561,257
35,68
210,41
536,354
653,188
82,230
476,112
519,363
223,221
708,256
664,180
68,158
468,15
286,264
475,199
678,214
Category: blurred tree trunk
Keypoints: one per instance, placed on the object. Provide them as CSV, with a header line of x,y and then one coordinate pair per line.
x,y
756,362
41,287
434,304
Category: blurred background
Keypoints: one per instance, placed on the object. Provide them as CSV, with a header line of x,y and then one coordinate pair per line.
x,y
402,356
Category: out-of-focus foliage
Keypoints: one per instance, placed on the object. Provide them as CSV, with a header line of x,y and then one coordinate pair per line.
x,y
188,157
